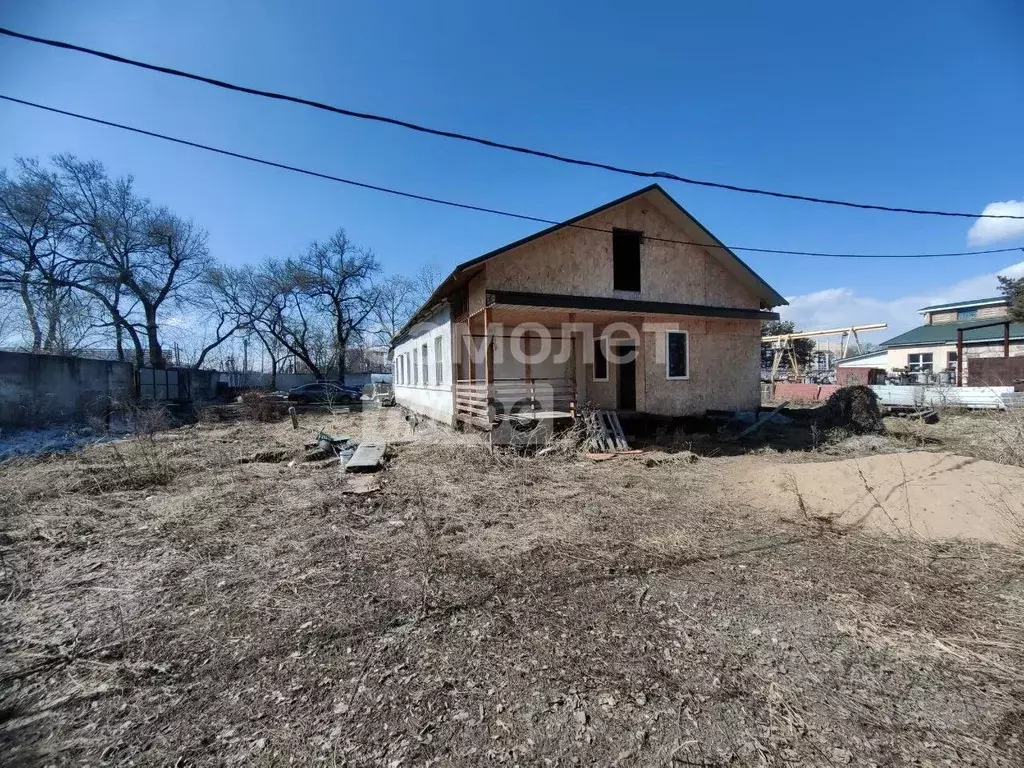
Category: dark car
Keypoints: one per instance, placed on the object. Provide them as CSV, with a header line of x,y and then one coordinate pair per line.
x,y
329,392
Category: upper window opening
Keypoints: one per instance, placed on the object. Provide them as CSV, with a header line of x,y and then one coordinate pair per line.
x,y
626,259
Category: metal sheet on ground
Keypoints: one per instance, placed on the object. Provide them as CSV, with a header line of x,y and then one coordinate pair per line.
x,y
367,458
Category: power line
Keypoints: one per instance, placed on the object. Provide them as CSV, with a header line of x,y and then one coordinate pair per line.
x,y
487,142
479,208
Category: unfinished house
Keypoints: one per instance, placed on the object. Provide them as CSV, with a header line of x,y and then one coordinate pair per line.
x,y
631,307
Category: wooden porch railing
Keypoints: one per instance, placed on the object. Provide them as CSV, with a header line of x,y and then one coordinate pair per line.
x,y
482,403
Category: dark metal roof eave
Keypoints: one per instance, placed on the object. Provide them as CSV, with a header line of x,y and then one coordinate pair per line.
x,y
940,334
994,300
614,304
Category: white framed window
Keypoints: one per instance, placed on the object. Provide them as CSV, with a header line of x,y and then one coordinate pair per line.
x,y
951,359
426,365
920,362
600,359
677,355
416,367
439,360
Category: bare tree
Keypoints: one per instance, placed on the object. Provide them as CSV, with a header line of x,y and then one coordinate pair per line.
x,y
8,317
30,237
425,282
396,301
338,278
128,255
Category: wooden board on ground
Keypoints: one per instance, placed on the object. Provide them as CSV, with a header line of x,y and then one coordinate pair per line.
x,y
361,484
607,432
368,457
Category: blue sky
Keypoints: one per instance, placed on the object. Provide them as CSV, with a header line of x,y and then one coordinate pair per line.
x,y
911,103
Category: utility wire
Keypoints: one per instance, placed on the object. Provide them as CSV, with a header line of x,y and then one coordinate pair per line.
x,y
480,208
488,142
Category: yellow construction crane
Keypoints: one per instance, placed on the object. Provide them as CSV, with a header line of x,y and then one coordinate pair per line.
x,y
782,344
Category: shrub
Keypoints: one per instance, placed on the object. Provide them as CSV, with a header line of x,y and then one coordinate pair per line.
x,y
260,407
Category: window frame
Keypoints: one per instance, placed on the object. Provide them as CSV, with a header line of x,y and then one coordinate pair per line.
x,y
601,343
921,362
970,313
415,367
668,356
952,359
439,360
425,363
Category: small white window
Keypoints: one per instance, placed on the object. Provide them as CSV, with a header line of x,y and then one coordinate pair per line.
x,y
426,365
677,358
415,367
439,360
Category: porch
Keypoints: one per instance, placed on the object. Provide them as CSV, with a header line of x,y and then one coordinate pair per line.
x,y
483,403
534,363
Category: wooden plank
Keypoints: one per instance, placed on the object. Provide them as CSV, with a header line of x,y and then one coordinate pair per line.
x,y
367,458
603,439
614,431
760,422
617,429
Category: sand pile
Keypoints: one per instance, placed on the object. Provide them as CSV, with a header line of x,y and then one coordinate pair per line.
x,y
920,494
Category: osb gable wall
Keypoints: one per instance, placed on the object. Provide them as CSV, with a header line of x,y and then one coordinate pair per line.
x,y
477,294
579,262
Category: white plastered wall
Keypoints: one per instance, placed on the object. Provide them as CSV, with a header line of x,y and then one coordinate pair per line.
x,y
432,398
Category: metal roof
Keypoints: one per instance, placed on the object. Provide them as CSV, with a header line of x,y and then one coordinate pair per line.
x,y
945,333
965,303
861,357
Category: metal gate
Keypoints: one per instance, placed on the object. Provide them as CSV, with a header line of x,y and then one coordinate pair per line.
x,y
162,384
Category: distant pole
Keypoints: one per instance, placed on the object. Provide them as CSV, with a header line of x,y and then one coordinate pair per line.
x,y
959,357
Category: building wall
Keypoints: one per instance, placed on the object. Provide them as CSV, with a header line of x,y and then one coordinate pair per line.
x,y
897,357
993,312
950,316
724,368
42,390
476,293
579,262
433,399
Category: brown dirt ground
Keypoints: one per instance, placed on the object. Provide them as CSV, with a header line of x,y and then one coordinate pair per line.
x,y
169,602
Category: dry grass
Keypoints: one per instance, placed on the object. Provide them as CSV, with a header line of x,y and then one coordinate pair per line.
x,y
483,607
991,435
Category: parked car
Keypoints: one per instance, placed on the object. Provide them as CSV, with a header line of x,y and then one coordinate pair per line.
x,y
325,392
